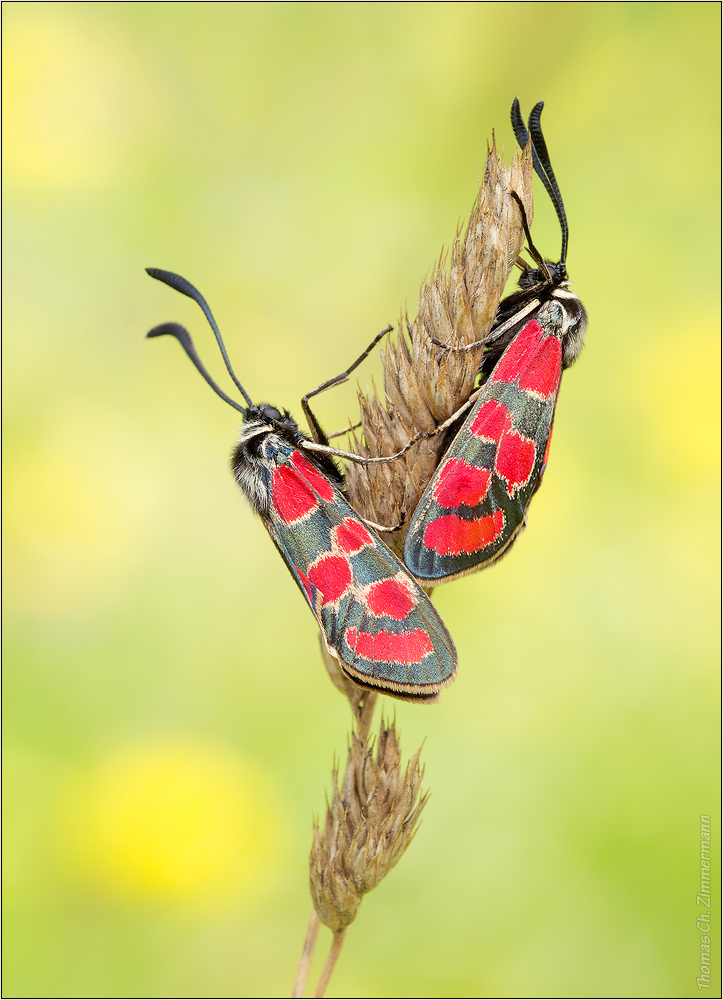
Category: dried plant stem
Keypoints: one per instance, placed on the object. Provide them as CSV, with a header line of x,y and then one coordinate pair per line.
x,y
330,962
364,712
303,971
362,703
429,373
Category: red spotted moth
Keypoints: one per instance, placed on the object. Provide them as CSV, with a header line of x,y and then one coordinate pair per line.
x,y
476,503
374,618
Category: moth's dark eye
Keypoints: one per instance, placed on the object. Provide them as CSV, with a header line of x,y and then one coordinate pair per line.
x,y
529,278
270,412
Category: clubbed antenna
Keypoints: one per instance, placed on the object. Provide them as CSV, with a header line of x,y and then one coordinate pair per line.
x,y
184,339
523,137
541,162
534,252
186,288
538,141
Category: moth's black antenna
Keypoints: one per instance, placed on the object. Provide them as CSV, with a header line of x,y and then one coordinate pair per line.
x,y
534,252
184,338
523,137
186,288
518,124
541,162
539,144
519,127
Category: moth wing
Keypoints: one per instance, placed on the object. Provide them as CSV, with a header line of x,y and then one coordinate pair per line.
x,y
475,505
375,619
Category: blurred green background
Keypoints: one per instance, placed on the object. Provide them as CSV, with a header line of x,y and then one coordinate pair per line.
x,y
169,729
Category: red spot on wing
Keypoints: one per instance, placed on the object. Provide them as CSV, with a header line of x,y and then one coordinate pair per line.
x,y
311,474
290,495
515,459
332,576
492,421
351,536
390,647
461,483
532,360
391,598
450,535
518,354
542,373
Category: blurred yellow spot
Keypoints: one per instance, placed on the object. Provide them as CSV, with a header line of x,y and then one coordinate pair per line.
x,y
68,532
71,104
175,821
675,391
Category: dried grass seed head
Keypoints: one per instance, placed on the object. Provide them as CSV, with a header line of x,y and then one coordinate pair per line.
x,y
370,822
424,384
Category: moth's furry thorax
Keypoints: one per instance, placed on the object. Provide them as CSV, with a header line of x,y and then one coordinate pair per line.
x,y
265,433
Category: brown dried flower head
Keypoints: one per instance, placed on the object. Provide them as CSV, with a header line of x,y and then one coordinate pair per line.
x,y
369,824
424,384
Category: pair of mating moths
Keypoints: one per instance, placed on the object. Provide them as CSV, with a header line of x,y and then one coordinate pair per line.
x,y
373,614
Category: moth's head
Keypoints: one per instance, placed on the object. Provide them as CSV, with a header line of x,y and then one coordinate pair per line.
x,y
271,416
555,275
269,412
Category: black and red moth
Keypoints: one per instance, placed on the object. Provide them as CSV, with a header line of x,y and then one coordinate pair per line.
x,y
374,618
475,505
